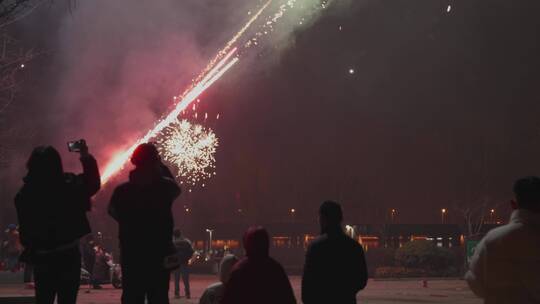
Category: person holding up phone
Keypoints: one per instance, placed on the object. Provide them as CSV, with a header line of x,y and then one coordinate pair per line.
x,y
51,209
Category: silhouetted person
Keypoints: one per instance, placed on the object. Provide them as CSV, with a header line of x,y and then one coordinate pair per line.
x,y
214,293
505,267
335,267
142,208
51,208
184,251
88,252
12,248
257,278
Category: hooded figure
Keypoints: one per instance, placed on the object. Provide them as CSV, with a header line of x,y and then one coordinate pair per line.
x,y
335,268
214,293
258,278
142,208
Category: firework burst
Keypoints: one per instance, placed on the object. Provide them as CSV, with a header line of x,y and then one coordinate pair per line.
x,y
191,148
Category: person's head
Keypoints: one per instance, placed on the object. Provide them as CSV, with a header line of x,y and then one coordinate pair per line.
x,y
177,233
11,227
145,155
226,266
330,216
256,242
45,164
527,194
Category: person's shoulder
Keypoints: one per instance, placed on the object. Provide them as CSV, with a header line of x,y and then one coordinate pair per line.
x,y
214,288
166,180
501,232
320,240
240,266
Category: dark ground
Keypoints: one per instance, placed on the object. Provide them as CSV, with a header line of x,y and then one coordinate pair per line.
x,y
378,292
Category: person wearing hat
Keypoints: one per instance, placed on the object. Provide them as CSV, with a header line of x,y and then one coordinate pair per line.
x,y
142,208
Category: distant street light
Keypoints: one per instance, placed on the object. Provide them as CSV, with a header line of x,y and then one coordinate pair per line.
x,y
393,215
210,231
292,211
491,216
443,214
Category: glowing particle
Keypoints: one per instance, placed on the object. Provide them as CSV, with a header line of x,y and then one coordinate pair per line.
x,y
340,28
22,65
351,71
449,8
191,148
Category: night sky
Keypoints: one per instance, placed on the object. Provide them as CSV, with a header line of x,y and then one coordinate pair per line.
x,y
442,107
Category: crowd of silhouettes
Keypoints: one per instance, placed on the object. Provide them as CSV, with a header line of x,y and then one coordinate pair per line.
x,y
52,208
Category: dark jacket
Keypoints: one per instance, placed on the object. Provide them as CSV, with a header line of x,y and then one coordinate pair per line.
x,y
184,250
258,278
142,208
53,213
335,270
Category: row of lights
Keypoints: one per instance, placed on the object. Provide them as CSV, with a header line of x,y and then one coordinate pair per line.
x,y
444,211
239,210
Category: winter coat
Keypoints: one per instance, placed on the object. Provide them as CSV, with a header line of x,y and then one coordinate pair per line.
x,y
142,208
505,267
258,278
52,214
214,293
184,250
334,271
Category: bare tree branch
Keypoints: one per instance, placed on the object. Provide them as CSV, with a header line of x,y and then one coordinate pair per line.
x,y
13,59
13,10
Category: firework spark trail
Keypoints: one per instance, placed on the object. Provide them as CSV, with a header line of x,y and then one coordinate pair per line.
x,y
215,69
206,78
233,40
119,160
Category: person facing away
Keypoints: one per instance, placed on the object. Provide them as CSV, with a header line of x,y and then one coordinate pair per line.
x,y
335,267
88,253
12,247
142,208
257,278
214,293
184,251
51,209
505,267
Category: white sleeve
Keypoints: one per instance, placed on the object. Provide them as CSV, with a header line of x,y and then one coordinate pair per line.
x,y
475,277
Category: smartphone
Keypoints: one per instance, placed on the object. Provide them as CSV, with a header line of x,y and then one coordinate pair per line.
x,y
76,145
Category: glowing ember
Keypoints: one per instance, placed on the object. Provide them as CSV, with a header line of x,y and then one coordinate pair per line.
x,y
191,148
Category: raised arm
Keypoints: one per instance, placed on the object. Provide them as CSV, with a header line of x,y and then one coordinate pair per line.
x,y
90,177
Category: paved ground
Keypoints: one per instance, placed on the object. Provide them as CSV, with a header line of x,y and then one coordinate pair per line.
x,y
377,292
